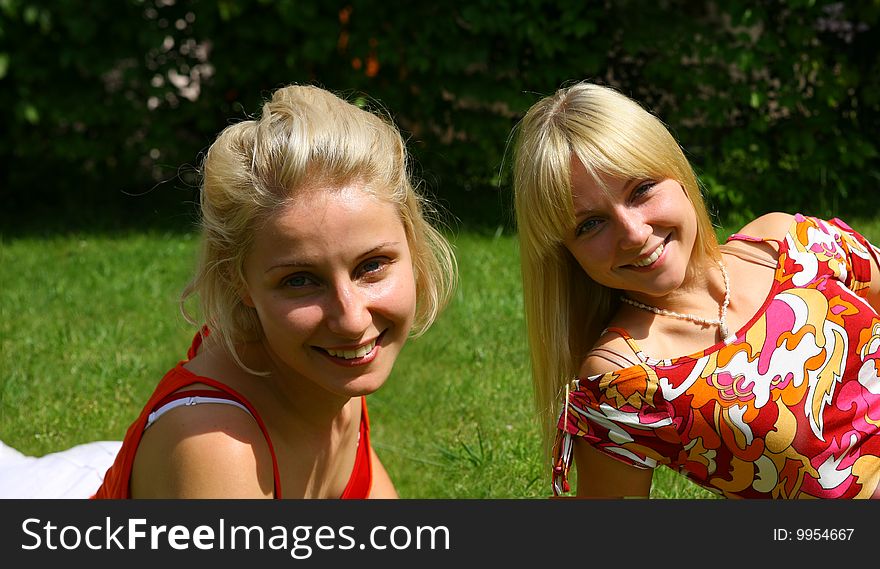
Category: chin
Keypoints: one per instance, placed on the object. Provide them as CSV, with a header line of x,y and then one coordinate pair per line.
x,y
670,283
360,387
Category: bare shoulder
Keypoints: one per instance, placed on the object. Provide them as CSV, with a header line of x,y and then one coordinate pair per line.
x,y
773,225
203,451
610,353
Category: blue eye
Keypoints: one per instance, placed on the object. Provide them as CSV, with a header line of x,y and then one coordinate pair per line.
x,y
372,266
586,226
298,281
643,189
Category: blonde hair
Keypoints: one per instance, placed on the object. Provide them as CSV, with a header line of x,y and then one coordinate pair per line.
x,y
305,139
565,310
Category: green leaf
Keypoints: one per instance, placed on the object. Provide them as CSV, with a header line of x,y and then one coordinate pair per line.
x,y
756,99
31,114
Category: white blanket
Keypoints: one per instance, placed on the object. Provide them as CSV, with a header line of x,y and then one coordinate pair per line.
x,y
73,473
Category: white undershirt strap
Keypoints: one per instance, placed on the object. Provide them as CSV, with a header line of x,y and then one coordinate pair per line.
x,y
618,359
758,257
188,401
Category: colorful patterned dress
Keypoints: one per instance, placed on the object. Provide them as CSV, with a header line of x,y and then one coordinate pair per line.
x,y
790,409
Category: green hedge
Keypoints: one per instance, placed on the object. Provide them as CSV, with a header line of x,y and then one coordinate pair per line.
x,y
106,106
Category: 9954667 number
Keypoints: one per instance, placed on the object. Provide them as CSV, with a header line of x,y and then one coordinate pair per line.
x,y
813,534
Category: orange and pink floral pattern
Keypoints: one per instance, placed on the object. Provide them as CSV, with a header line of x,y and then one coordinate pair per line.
x,y
790,409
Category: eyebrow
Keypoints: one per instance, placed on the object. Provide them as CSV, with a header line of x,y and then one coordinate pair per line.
x,y
308,263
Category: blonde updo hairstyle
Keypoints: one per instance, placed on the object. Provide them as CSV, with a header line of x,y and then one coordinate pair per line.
x,y
610,135
305,139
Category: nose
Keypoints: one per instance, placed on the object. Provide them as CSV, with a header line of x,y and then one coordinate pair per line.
x,y
634,232
348,314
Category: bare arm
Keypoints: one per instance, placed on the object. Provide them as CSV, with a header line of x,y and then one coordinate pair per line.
x,y
382,485
203,451
600,476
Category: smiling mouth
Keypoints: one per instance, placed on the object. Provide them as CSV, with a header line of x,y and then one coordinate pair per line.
x,y
358,353
353,354
650,259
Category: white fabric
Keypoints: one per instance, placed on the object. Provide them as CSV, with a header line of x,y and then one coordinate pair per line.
x,y
188,401
76,472
73,473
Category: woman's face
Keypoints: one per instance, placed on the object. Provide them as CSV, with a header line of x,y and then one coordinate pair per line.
x,y
331,279
637,237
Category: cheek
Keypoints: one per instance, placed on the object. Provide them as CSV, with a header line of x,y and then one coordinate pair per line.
x,y
681,206
592,260
398,297
280,319
690,222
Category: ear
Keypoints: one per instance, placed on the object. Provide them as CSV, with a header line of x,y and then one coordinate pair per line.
x,y
245,297
237,281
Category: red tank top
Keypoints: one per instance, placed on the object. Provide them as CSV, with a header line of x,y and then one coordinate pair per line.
x,y
116,484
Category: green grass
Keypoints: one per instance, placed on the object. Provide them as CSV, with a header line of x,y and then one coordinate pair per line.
x,y
456,415
89,323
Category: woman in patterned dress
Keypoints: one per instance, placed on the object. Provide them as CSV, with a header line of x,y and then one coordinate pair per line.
x,y
749,367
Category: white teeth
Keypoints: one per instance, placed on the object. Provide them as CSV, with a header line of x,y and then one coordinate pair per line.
x,y
651,258
352,354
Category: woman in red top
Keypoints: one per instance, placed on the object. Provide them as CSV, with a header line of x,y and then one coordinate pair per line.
x,y
316,265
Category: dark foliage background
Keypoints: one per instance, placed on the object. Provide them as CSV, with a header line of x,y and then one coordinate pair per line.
x,y
105,107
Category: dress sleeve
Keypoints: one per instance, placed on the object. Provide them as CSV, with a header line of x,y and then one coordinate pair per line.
x,y
860,252
846,252
622,414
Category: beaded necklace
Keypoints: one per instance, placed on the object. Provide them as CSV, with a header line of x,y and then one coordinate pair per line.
x,y
721,321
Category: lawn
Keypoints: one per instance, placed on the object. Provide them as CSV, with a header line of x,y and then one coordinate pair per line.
x,y
89,323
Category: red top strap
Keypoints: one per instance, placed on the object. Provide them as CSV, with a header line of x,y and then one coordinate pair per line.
x,y
361,481
116,484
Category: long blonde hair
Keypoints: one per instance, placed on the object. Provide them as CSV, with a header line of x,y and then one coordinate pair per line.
x,y
306,138
565,310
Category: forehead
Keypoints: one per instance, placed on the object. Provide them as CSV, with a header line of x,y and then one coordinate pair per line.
x,y
587,185
334,205
330,219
